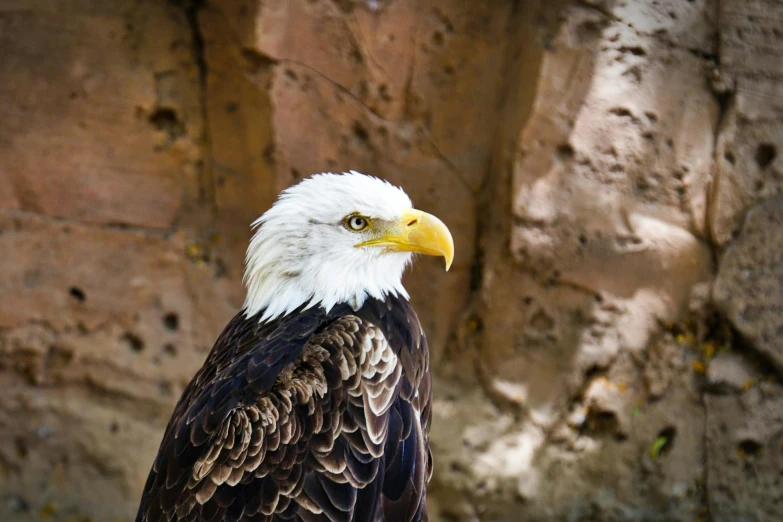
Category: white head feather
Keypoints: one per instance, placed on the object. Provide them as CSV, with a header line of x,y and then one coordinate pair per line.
x,y
302,253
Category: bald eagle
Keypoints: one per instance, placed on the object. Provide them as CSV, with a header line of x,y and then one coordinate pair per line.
x,y
314,403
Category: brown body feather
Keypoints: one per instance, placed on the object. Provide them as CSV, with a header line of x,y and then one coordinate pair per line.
x,y
314,416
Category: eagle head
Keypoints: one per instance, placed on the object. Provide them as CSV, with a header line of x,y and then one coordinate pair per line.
x,y
337,238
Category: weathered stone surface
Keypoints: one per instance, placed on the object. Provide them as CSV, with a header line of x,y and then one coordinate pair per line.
x,y
744,446
595,461
608,208
750,56
104,113
609,177
748,166
747,170
240,174
64,452
749,282
101,324
399,67
98,338
745,455
687,25
731,372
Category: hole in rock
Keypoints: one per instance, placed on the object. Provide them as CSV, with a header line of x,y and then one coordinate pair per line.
x,y
750,447
171,321
133,341
77,293
765,155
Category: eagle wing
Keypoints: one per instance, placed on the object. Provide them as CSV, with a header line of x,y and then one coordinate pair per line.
x,y
309,418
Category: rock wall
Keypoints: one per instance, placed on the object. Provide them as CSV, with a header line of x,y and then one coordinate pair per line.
x,y
609,341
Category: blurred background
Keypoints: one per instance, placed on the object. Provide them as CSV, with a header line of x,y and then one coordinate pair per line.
x,y
609,342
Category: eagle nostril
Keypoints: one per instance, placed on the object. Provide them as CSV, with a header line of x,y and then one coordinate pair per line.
x,y
413,222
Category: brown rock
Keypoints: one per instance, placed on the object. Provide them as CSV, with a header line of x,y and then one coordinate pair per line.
x,y
104,113
747,171
609,175
65,451
239,176
748,285
604,210
748,166
77,277
98,337
681,25
732,372
744,454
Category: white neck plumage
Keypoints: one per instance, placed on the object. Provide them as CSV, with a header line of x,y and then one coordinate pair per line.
x,y
280,277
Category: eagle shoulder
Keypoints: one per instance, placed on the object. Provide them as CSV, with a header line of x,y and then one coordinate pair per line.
x,y
334,436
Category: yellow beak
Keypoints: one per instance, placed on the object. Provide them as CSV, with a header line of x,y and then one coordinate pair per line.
x,y
417,232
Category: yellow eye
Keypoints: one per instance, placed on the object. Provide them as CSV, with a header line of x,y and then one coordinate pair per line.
x,y
356,223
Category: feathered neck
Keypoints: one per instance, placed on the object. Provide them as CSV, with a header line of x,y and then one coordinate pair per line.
x,y
285,271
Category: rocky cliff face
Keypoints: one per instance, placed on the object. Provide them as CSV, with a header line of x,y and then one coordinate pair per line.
x,y
609,341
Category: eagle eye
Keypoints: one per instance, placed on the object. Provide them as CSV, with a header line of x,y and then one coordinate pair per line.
x,y
356,223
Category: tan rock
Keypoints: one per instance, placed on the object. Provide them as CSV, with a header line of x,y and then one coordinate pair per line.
x,y
733,372
101,330
748,285
743,451
104,114
609,177
748,166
